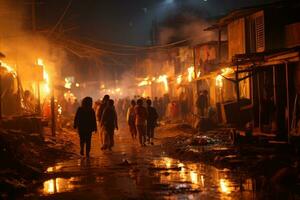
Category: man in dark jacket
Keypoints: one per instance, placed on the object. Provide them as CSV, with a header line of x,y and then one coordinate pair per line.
x,y
85,123
109,123
151,121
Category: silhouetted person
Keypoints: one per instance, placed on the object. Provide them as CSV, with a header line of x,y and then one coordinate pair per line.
x,y
140,121
102,107
109,124
100,111
202,102
155,103
85,123
151,121
131,120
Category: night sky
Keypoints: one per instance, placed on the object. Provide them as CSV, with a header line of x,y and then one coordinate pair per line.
x,y
125,21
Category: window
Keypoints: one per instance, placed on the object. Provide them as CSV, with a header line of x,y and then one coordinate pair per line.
x,y
259,31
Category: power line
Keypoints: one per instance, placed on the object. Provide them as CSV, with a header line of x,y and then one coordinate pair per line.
x,y
137,48
61,17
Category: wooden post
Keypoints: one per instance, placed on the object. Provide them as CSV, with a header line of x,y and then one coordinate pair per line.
x,y
219,45
237,85
274,86
259,102
287,99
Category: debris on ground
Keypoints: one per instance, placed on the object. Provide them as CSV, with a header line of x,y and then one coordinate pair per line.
x,y
25,156
215,147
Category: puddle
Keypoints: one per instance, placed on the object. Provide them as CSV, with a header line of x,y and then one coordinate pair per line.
x,y
164,176
58,185
205,179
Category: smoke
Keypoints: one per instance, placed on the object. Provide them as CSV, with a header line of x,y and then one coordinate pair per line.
x,y
22,47
185,26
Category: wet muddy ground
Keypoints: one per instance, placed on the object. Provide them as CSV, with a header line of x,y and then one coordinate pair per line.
x,y
132,172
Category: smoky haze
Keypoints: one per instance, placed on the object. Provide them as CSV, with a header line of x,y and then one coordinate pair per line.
x,y
22,47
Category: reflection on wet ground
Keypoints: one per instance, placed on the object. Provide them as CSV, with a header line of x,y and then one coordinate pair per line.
x,y
131,172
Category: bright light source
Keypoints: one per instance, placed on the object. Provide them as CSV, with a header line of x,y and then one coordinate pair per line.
x,y
40,62
191,73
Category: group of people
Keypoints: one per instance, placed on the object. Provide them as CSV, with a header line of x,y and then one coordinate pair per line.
x,y
141,120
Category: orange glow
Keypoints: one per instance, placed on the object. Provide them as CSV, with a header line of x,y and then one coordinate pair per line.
x,y
9,68
191,73
179,79
68,83
219,78
224,186
219,81
40,62
144,83
45,86
164,79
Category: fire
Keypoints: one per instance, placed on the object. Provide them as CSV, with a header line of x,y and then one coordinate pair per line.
x,y
179,79
219,81
164,79
145,82
40,62
68,83
191,73
8,68
198,74
224,186
219,78
226,71
45,87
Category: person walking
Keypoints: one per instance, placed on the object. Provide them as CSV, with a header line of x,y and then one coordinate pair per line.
x,y
109,123
100,111
140,121
131,120
85,123
151,121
